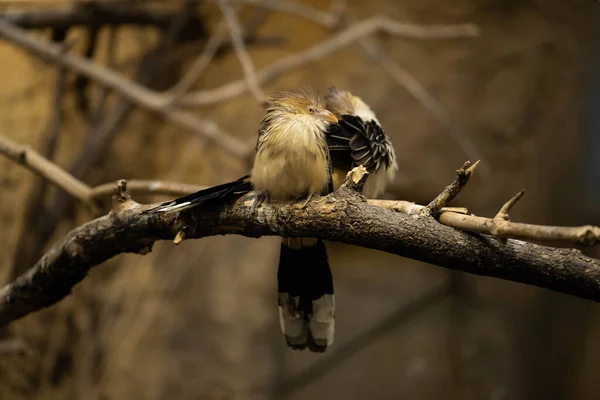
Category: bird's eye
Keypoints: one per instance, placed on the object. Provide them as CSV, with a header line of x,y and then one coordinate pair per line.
x,y
311,110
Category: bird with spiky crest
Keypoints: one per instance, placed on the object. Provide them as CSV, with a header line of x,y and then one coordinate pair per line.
x,y
292,162
306,145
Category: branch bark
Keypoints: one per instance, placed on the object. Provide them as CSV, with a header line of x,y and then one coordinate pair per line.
x,y
343,216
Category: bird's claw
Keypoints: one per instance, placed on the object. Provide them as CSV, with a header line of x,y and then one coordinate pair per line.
x,y
260,198
308,199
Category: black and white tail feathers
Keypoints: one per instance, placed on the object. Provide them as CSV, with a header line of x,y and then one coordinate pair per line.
x,y
237,187
305,294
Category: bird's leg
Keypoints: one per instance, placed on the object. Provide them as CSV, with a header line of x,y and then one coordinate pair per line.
x,y
260,198
308,199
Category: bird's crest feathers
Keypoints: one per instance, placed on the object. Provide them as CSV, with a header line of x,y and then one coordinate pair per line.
x,y
343,102
295,100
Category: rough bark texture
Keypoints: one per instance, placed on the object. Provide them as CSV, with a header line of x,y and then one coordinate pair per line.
x,y
343,216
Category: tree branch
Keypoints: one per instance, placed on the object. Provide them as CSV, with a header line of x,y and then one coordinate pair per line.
x,y
451,191
343,216
44,168
93,14
237,39
330,45
457,217
130,90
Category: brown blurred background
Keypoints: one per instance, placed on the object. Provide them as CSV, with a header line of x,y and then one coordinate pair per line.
x,y
198,321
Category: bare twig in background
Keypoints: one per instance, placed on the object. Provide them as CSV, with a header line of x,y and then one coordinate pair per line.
x,y
13,346
160,103
111,50
237,38
88,14
306,12
128,229
44,168
216,40
147,187
58,95
99,74
334,43
418,91
136,93
101,133
82,82
396,72
35,210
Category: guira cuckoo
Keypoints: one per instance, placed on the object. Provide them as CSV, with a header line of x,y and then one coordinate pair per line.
x,y
306,145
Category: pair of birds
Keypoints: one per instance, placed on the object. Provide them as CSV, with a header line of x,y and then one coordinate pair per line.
x,y
306,146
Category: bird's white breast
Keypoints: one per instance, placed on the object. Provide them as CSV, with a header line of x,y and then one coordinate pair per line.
x,y
291,160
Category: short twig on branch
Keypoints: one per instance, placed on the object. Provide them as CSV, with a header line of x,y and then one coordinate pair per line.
x,y
343,216
451,191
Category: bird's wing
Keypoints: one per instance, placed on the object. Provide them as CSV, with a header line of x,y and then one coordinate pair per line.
x,y
356,142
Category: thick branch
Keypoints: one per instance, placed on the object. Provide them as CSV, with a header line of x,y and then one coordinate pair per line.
x,y
342,216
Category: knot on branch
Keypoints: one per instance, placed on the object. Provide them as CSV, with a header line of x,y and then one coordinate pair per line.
x,y
590,235
121,198
355,179
503,216
503,213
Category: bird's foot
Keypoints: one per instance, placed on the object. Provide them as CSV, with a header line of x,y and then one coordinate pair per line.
x,y
258,201
308,200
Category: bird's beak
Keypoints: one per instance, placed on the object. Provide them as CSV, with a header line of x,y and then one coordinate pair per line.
x,y
329,117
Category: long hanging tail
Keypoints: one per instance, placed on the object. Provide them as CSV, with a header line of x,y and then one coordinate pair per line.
x,y
237,187
306,300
